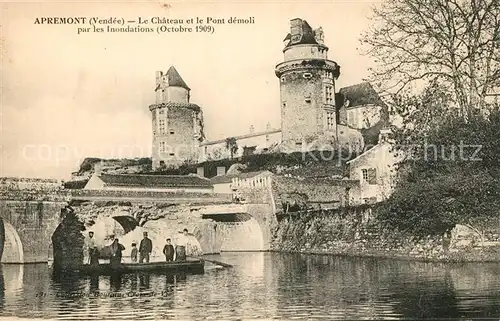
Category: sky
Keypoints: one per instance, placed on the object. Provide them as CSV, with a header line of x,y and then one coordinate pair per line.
x,y
66,96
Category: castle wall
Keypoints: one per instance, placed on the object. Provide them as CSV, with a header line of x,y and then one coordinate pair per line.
x,y
177,144
177,94
363,116
301,119
305,51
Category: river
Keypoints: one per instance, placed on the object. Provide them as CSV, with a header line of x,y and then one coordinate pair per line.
x,y
262,286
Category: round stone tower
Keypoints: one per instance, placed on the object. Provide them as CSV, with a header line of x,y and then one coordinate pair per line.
x,y
307,85
177,123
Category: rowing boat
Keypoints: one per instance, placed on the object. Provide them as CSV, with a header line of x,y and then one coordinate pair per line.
x,y
189,266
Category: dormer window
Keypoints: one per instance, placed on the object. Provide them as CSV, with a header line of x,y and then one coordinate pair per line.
x,y
307,75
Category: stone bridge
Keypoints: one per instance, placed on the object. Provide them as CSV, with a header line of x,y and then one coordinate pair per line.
x,y
216,221
35,225
30,212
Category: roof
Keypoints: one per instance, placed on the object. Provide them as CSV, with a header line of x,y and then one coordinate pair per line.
x,y
222,179
358,95
307,37
368,152
154,180
174,79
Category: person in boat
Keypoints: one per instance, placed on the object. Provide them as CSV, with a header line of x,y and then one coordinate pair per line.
x,y
168,250
181,246
116,252
133,253
92,251
145,248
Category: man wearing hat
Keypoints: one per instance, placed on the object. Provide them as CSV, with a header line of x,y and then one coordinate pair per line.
x,y
145,248
93,253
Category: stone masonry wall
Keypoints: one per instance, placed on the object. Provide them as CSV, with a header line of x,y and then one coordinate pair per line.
x,y
298,117
34,222
354,231
315,191
178,137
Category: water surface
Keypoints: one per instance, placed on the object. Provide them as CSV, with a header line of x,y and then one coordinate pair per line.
x,y
262,286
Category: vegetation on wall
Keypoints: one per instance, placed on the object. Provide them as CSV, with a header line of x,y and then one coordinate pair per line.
x,y
330,162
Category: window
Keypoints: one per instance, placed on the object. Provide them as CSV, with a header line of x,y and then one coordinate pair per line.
x,y
171,154
171,132
162,147
162,126
330,120
328,94
364,172
161,112
284,105
369,175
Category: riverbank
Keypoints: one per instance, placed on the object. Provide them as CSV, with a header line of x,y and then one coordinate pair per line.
x,y
357,234
476,256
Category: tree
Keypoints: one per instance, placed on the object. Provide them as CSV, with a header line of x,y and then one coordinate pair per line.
x,y
232,146
454,43
451,173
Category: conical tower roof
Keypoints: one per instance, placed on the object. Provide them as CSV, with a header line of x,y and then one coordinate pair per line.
x,y
174,79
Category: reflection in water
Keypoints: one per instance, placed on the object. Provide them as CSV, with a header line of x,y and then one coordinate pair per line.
x,y
143,281
262,285
115,281
94,284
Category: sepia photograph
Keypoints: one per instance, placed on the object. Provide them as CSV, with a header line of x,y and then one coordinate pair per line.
x,y
250,160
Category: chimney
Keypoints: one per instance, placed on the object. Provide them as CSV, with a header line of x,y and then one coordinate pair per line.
x,y
159,74
319,36
295,27
200,171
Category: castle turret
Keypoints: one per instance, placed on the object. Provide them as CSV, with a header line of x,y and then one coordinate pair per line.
x,y
307,84
177,123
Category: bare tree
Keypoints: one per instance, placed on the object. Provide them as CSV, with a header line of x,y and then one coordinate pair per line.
x,y
451,42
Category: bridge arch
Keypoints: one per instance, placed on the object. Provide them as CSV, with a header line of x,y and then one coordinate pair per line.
x,y
238,232
12,250
105,226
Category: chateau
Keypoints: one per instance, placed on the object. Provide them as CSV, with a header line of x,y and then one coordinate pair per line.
x,y
314,116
